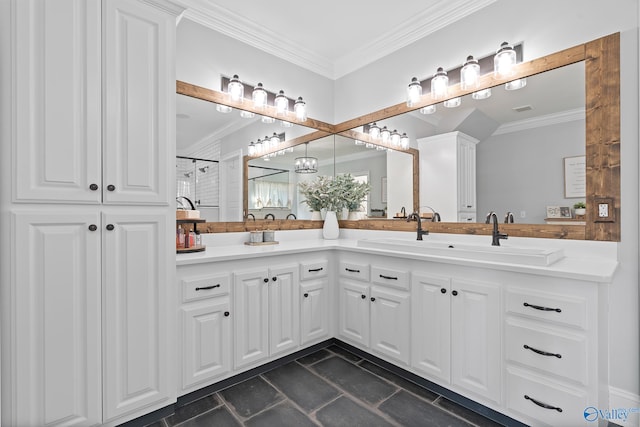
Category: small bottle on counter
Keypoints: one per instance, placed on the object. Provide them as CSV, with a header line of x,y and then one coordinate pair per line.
x,y
192,238
180,238
198,238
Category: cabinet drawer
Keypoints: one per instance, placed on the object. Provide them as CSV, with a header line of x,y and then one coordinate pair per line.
x,y
354,270
312,270
556,308
390,277
553,351
197,288
527,394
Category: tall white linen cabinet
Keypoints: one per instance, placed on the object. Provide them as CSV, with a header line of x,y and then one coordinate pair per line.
x,y
88,262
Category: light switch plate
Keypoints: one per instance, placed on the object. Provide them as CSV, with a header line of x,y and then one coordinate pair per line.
x,y
604,209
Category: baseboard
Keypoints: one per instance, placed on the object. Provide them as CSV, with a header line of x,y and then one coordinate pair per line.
x,y
622,404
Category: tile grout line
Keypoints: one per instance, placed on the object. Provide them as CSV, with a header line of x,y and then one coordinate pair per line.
x,y
287,399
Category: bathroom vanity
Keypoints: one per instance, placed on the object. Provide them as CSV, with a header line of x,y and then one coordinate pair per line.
x,y
517,337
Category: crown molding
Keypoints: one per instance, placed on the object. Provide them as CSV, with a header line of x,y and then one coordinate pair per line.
x,y
541,121
441,14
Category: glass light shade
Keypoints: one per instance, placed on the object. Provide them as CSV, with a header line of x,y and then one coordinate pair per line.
x,y
235,89
266,144
246,114
429,109
369,145
274,140
385,134
453,102
374,131
481,94
223,108
404,141
267,119
504,61
395,138
252,149
414,92
470,74
286,124
306,165
282,104
259,96
358,142
259,147
515,84
439,84
300,109
380,148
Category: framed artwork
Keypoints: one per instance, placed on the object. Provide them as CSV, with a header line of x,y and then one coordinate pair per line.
x,y
383,196
553,212
565,212
575,177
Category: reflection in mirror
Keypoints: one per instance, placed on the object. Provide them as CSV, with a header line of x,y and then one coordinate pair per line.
x,y
523,136
203,132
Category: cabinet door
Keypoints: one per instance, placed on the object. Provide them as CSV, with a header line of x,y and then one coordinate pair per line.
x,y
390,323
138,268
475,337
251,316
466,176
55,357
431,325
57,102
206,347
139,102
284,309
354,312
314,314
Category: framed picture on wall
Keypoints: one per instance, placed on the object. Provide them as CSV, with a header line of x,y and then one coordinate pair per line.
x,y
383,196
575,177
554,212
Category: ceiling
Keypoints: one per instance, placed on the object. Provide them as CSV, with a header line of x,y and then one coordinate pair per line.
x,y
332,37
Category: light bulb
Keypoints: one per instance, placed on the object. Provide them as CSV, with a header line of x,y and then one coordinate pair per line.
x,y
439,84
235,89
259,96
414,92
470,74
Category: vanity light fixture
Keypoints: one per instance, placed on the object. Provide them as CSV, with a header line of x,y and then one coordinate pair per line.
x,y
358,142
246,114
286,124
404,141
504,61
300,109
267,119
223,108
306,164
395,138
452,103
258,147
414,92
252,149
259,97
481,94
470,74
385,134
439,84
429,109
274,141
235,89
282,104
516,84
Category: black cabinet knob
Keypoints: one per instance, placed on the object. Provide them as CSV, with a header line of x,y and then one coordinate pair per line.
x,y
363,296
110,227
454,293
265,280
443,290
93,227
226,314
111,187
306,295
93,187
274,278
372,299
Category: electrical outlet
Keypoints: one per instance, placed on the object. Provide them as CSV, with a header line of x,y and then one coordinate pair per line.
x,y
523,214
604,209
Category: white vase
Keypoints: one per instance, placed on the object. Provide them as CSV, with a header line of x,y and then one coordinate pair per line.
x,y
353,216
330,228
316,216
581,211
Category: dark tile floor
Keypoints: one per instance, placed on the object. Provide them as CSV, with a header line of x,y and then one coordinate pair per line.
x,y
331,387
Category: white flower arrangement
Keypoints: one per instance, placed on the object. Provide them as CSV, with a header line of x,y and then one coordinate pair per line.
x,y
334,194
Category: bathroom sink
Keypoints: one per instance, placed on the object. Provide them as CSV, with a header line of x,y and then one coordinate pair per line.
x,y
505,254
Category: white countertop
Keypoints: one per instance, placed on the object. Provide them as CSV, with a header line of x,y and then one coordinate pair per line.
x,y
579,266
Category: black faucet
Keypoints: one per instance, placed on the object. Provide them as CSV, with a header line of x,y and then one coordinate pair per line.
x,y
270,215
508,218
435,217
293,215
252,216
420,231
496,236
403,212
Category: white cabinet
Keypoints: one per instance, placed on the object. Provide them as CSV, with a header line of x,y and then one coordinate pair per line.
x,y
266,313
205,318
373,316
93,97
456,332
448,175
314,305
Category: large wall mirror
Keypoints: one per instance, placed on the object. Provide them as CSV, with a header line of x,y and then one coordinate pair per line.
x,y
569,109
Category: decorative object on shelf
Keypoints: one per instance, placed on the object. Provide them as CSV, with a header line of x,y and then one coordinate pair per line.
x,y
306,164
316,216
580,208
330,229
